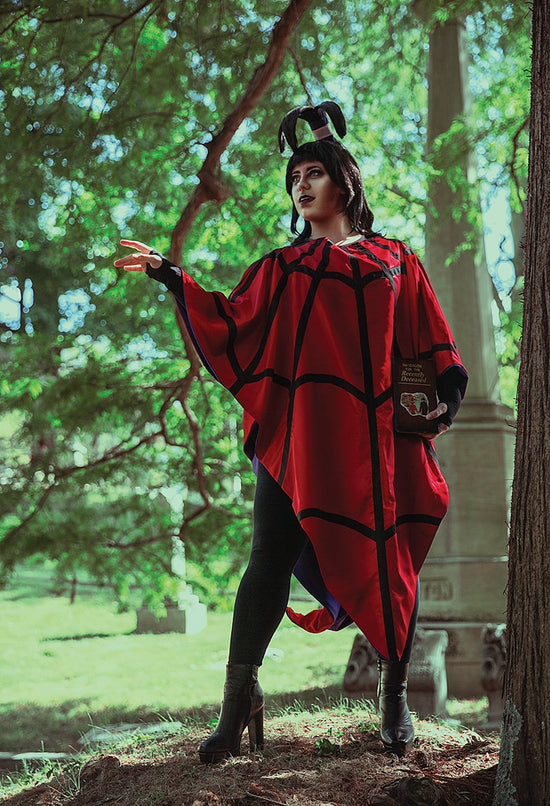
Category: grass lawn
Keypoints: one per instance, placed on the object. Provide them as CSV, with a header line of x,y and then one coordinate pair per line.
x,y
68,667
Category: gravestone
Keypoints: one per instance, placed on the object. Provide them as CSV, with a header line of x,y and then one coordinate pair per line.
x,y
361,675
493,664
427,685
122,731
187,615
464,579
31,760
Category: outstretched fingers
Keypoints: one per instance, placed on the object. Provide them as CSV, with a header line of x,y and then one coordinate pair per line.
x,y
136,245
138,260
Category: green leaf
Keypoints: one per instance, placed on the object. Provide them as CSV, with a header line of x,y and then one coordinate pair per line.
x,y
35,388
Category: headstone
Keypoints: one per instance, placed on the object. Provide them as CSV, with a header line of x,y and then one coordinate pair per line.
x,y
187,615
493,664
189,619
361,675
427,686
464,579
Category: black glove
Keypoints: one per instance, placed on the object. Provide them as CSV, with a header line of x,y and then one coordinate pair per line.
x,y
168,274
449,390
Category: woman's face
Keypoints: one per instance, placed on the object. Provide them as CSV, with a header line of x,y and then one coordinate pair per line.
x,y
316,197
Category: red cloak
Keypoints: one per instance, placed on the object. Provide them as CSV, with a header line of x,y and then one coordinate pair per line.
x,y
304,343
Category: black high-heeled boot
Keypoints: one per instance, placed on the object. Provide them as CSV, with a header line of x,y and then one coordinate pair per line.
x,y
243,705
396,728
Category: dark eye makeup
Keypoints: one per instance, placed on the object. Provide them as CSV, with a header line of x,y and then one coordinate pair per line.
x,y
314,171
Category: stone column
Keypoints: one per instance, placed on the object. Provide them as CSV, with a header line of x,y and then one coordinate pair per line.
x,y
463,582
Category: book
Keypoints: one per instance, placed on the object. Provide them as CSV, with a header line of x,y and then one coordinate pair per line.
x,y
414,395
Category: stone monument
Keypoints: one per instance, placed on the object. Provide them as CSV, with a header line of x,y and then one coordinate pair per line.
x,y
464,578
187,614
493,664
427,685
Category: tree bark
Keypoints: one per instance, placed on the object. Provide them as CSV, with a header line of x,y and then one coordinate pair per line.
x,y
524,768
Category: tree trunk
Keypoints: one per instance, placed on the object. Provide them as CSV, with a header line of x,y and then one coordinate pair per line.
x,y
524,769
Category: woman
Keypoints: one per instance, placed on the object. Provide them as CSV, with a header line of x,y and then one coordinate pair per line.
x,y
305,343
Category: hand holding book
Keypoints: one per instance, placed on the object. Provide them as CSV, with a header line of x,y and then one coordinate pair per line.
x,y
416,407
440,409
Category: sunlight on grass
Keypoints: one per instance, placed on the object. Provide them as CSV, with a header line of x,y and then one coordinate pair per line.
x,y
67,667
62,652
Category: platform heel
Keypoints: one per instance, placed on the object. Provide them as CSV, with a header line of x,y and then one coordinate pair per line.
x,y
243,706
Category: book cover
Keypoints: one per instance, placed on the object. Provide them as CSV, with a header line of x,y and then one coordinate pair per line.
x,y
414,395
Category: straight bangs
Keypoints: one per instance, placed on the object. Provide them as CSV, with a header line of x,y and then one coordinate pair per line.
x,y
316,151
344,172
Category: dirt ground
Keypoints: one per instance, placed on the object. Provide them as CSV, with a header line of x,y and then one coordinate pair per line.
x,y
320,759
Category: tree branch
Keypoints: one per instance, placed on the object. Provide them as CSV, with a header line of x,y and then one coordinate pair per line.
x,y
131,60
139,544
63,473
12,534
198,455
99,52
210,187
115,453
406,196
301,75
121,19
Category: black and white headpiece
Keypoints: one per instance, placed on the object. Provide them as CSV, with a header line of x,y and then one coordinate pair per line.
x,y
318,119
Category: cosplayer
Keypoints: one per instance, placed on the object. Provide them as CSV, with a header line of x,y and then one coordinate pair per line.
x,y
305,343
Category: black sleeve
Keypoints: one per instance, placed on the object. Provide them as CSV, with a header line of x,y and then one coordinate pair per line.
x,y
168,274
449,386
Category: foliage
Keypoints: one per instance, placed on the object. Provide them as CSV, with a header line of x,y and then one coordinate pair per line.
x,y
111,446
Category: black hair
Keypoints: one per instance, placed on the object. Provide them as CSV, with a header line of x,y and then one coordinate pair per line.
x,y
344,172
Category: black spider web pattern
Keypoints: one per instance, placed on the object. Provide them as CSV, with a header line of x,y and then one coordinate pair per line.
x,y
250,374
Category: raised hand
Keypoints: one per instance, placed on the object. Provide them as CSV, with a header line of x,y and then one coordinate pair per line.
x,y
138,260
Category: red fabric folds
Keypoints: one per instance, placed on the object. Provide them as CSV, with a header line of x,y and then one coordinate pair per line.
x,y
304,343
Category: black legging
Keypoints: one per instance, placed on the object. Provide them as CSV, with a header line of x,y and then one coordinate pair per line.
x,y
262,597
